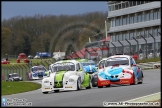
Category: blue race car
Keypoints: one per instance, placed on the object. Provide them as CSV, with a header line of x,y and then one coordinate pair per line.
x,y
37,72
89,67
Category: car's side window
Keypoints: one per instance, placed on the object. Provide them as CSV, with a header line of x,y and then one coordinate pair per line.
x,y
77,66
132,61
101,65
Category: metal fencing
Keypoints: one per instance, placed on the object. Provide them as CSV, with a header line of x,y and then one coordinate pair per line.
x,y
21,69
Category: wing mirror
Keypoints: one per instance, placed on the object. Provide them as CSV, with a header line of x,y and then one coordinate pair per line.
x,y
100,67
134,65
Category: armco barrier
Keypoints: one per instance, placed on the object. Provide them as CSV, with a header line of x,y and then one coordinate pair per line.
x,y
157,65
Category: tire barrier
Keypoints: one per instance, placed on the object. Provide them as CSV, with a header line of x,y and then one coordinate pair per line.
x,y
157,65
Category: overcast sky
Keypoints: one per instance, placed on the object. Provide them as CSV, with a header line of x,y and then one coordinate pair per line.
x,y
16,8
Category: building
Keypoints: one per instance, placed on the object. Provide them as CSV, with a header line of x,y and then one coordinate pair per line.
x,y
130,19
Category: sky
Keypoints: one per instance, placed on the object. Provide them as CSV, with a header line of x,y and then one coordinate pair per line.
x,y
28,8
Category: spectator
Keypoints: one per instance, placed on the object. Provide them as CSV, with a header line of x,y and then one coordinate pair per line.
x,y
140,50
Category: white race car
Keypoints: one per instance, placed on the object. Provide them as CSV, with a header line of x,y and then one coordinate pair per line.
x,y
66,75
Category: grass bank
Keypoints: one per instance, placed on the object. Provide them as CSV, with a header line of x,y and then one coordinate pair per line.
x,y
9,88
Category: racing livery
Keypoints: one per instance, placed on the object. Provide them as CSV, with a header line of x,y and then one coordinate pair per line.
x,y
65,75
37,72
118,69
89,67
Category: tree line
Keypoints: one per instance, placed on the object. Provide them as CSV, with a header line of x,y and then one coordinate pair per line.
x,y
33,34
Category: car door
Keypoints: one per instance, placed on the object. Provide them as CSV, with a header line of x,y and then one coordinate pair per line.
x,y
80,71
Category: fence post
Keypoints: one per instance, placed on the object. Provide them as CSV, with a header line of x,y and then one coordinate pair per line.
x,y
137,45
22,71
146,44
25,71
129,44
154,43
122,46
114,46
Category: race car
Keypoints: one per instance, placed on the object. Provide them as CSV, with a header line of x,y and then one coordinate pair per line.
x,y
66,75
118,69
89,67
37,72
4,61
14,77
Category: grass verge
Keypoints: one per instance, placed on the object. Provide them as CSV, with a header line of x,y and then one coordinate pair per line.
x,y
9,88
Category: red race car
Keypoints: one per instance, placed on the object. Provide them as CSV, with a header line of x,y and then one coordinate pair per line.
x,y
5,62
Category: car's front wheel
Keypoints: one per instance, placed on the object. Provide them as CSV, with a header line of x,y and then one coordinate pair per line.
x,y
45,92
56,91
78,84
100,86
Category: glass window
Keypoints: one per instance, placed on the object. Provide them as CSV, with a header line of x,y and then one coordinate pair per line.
x,y
142,32
131,19
146,33
112,7
142,2
155,14
127,35
134,3
151,15
155,31
134,34
124,20
130,3
116,20
138,34
123,36
113,38
123,5
139,17
159,31
159,14
116,37
121,21
113,23
109,8
119,5
126,4
116,7
120,37
135,19
143,17
150,31
127,19
138,2
147,16
131,35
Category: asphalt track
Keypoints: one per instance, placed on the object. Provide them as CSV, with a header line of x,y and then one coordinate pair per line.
x,y
95,96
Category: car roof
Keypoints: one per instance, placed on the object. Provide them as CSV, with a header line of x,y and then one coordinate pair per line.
x,y
65,61
38,66
114,56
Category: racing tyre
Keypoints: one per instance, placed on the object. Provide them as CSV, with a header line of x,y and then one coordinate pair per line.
x,y
45,92
100,86
56,91
141,81
108,85
135,81
78,84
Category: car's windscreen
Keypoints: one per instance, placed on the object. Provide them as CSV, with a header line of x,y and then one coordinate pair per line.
x,y
91,63
86,64
15,75
38,69
68,66
117,61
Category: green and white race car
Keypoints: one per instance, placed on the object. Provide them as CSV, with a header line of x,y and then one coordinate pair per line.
x,y
66,75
